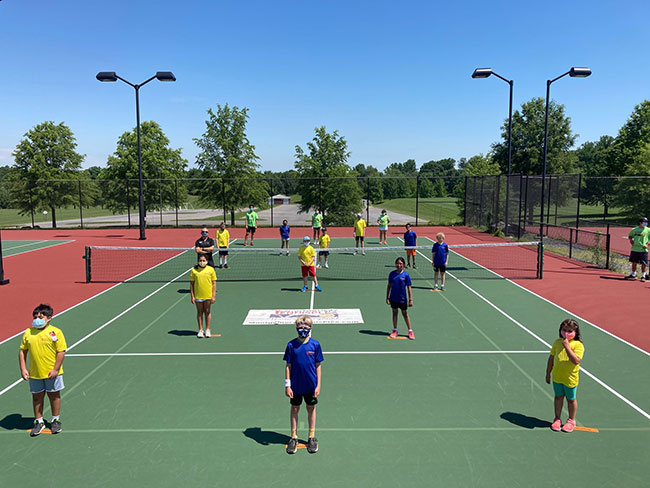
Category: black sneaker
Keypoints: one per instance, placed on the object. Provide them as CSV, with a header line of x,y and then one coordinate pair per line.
x,y
312,445
55,427
37,428
220,266
225,265
292,447
630,277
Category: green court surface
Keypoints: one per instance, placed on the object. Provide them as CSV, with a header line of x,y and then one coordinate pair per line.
x,y
11,248
146,403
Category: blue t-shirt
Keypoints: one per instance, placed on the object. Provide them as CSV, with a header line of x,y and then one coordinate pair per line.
x,y
303,356
440,252
399,282
284,231
409,238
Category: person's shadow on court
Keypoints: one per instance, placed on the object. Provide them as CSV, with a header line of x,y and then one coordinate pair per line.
x,y
16,421
525,421
265,437
182,333
374,332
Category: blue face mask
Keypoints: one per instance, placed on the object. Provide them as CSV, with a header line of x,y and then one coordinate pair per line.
x,y
303,333
644,224
38,323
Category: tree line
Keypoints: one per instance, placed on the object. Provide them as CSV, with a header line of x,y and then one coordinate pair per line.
x,y
227,174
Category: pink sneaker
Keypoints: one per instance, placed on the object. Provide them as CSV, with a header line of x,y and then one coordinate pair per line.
x,y
411,335
393,335
569,426
556,425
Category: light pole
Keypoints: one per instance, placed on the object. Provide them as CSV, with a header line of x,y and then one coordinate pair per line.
x,y
485,73
573,73
108,76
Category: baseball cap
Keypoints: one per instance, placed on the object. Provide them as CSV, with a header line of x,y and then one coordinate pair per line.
x,y
306,238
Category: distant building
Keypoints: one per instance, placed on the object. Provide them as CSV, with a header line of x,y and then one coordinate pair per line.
x,y
279,199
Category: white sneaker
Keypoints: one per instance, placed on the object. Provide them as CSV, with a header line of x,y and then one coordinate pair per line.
x,y
318,266
363,253
208,333
200,334
326,265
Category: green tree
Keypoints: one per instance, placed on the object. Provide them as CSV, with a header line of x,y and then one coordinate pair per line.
x,y
5,197
47,152
633,193
370,182
632,139
227,154
528,140
327,182
162,171
441,175
400,180
597,161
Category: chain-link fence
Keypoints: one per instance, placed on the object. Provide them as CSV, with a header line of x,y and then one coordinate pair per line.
x,y
419,200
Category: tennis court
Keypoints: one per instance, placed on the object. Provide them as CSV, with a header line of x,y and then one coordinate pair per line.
x,y
464,404
10,248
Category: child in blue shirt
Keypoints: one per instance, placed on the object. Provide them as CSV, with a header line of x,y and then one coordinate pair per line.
x,y
284,236
440,259
399,286
302,380
410,239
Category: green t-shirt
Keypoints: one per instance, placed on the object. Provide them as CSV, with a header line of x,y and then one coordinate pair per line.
x,y
251,218
316,220
641,236
383,220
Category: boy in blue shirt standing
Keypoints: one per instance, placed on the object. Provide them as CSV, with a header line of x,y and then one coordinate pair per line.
x,y
302,380
410,239
440,259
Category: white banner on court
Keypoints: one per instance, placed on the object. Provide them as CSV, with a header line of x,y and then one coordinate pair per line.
x,y
319,316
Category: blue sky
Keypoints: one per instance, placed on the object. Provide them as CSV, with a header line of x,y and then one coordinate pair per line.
x,y
393,78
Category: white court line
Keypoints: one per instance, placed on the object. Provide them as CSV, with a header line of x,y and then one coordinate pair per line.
x,y
279,353
32,243
313,292
586,372
37,249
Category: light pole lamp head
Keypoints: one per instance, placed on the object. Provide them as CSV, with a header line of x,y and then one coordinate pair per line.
x,y
482,73
165,76
106,76
579,72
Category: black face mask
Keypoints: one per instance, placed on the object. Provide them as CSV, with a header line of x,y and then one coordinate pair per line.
x,y
303,333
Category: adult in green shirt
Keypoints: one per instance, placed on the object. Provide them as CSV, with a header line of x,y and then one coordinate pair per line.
x,y
639,238
251,224
316,223
383,220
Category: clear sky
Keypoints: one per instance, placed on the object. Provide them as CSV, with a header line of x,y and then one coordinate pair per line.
x,y
394,78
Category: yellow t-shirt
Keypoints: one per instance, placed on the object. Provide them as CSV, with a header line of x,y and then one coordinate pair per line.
x,y
202,279
42,346
324,241
359,227
223,237
564,371
306,254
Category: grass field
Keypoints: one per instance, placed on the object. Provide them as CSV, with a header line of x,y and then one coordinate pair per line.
x,y
437,211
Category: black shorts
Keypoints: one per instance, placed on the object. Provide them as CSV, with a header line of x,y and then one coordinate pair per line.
x,y
323,253
223,253
310,399
400,305
639,257
250,229
440,267
358,239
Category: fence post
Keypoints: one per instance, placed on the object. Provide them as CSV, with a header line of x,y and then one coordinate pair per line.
x,y
223,197
176,199
161,199
417,198
521,192
81,210
465,210
579,194
128,202
607,247
367,199
272,202
495,217
571,242
31,205
548,202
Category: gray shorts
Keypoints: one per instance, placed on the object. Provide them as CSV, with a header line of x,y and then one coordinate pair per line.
x,y
37,386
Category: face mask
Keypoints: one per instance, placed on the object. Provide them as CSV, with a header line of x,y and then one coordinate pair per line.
x,y
203,264
568,335
303,333
204,234
644,224
251,209
39,323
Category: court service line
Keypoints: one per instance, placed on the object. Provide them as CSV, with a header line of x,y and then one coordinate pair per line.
x,y
585,371
37,249
313,292
33,243
279,353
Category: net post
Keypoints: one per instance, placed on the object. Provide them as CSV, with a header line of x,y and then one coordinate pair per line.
x,y
571,242
87,258
607,247
540,260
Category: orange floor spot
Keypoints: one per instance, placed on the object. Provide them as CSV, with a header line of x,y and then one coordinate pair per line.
x,y
398,337
215,335
585,429
299,446
44,431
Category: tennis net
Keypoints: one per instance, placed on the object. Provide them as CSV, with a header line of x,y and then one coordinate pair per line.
x,y
511,260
